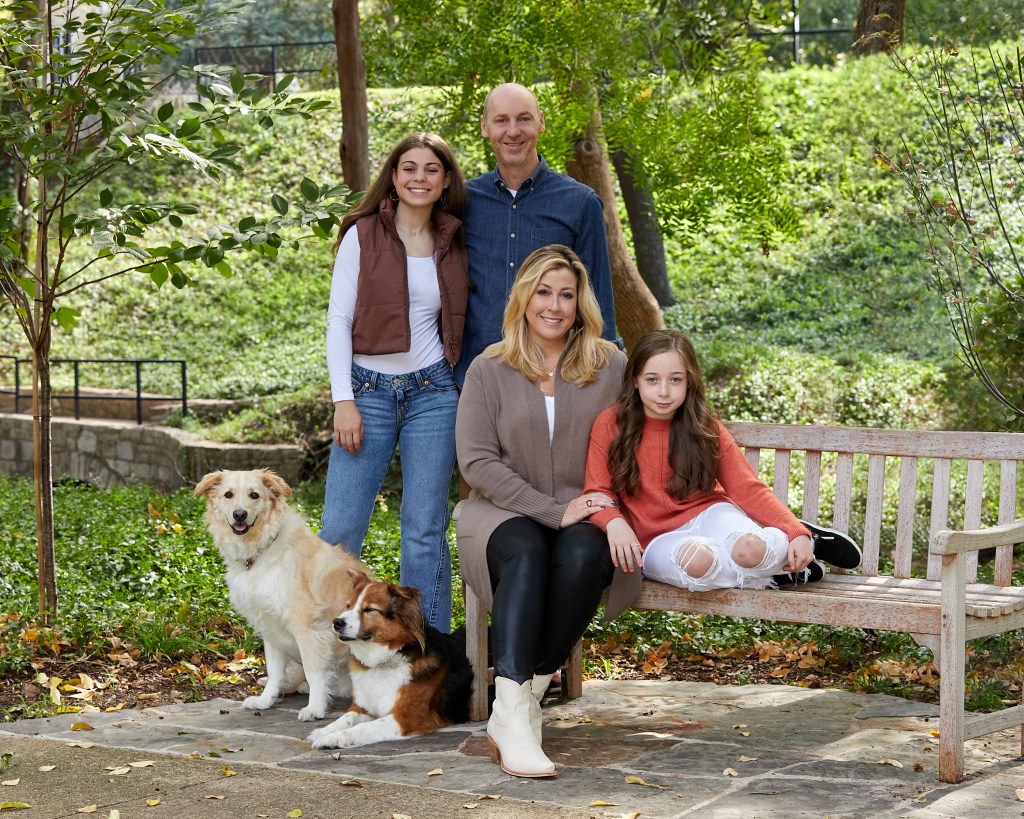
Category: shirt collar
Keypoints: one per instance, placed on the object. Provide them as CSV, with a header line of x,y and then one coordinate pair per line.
x,y
531,181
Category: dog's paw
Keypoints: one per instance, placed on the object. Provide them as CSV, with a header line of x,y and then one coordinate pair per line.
x,y
330,738
258,703
311,712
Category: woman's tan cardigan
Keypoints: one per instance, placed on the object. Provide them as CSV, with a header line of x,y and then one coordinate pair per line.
x,y
501,436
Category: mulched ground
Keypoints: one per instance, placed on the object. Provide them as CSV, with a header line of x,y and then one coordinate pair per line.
x,y
119,682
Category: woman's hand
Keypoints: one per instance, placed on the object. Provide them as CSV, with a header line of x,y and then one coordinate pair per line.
x,y
801,553
348,426
625,548
583,507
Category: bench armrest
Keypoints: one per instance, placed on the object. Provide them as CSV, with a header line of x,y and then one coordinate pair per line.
x,y
949,542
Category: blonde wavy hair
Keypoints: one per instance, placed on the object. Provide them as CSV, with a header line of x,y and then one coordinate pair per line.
x,y
585,351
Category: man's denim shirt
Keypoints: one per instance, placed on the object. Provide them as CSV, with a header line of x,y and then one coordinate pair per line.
x,y
502,230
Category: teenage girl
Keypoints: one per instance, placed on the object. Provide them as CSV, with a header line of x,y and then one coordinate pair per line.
x,y
690,509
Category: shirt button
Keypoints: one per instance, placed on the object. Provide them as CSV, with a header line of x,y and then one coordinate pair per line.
x,y
511,264
513,236
513,207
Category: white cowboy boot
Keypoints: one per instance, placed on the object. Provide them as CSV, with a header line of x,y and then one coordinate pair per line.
x,y
539,686
510,734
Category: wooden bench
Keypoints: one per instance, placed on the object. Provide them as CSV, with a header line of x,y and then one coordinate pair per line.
x,y
872,477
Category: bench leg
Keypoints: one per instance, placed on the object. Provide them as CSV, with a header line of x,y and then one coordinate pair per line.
x,y
476,650
952,665
572,683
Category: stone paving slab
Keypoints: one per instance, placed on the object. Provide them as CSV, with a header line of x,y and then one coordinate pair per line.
x,y
661,750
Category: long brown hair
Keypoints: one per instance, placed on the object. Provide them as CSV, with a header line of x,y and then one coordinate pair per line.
x,y
453,199
585,351
693,435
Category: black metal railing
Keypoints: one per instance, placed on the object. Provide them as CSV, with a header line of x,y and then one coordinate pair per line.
x,y
76,395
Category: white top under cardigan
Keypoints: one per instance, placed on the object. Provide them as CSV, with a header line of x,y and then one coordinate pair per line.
x,y
424,310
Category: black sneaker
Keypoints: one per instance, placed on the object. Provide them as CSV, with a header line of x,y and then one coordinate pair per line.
x,y
812,574
834,547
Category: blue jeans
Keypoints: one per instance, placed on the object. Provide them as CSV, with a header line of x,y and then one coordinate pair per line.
x,y
415,412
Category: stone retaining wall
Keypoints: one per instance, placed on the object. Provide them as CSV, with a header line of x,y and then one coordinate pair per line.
x,y
109,452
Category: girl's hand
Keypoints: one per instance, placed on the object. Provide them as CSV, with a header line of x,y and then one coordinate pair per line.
x,y
348,426
801,553
584,506
625,548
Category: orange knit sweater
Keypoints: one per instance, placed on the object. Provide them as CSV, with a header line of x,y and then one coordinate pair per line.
x,y
651,511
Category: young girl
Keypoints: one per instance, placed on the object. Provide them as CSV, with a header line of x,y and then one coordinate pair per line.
x,y
690,509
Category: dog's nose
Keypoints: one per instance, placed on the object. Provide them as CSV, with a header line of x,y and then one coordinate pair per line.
x,y
240,515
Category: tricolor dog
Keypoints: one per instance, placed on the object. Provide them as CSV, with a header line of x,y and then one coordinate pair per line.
x,y
408,678
285,581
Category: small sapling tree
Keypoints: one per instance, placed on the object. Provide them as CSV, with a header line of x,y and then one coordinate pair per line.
x,y
81,96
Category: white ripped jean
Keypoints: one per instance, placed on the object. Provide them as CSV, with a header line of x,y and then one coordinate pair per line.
x,y
717,528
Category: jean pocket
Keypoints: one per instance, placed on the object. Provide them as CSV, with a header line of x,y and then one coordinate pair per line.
x,y
359,387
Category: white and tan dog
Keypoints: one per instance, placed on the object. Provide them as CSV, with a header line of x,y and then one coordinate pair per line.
x,y
285,581
408,678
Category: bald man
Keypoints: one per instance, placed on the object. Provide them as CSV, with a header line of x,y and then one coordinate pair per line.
x,y
518,207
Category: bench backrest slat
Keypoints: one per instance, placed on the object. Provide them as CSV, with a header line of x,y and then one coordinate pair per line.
x,y
844,492
812,483
940,511
781,484
834,453
972,509
1007,513
905,517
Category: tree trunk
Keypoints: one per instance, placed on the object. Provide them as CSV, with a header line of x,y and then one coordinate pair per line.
x,y
636,309
42,406
643,223
879,26
355,134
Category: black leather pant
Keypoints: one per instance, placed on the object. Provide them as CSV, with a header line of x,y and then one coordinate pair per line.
x,y
547,585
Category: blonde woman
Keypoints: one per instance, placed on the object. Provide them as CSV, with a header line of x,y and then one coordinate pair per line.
x,y
525,546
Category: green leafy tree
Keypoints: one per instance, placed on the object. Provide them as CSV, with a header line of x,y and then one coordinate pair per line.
x,y
656,86
79,87
964,171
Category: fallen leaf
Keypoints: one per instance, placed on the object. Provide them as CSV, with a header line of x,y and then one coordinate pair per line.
x,y
636,780
46,768
145,763
471,806
81,744
918,767
739,725
730,772
1020,794
214,797
82,726
894,762
5,761
14,806
119,771
114,814
634,815
227,771
88,809
400,816
598,803
152,803
294,814
748,759
435,772
744,733
489,796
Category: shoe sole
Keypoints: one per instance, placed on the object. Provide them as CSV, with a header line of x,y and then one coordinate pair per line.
x,y
496,759
824,533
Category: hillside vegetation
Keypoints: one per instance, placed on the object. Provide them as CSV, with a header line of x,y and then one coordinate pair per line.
x,y
840,326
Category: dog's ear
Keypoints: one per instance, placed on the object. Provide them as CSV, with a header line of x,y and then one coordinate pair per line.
x,y
405,605
359,577
277,485
208,483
